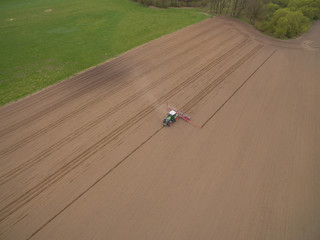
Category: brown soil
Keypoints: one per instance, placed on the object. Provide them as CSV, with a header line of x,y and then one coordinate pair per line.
x,y
89,159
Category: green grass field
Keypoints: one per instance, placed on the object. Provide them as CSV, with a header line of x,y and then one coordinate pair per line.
x,y
45,41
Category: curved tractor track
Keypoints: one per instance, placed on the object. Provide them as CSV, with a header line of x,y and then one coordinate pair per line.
x,y
90,153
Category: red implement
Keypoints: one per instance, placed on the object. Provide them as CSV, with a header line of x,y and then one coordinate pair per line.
x,y
182,115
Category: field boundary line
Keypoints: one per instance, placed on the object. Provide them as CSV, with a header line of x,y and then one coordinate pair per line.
x,y
37,158
93,149
94,100
96,70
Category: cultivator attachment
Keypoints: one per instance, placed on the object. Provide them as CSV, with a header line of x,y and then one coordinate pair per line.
x,y
174,115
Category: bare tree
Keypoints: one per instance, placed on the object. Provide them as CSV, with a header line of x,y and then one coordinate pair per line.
x,y
254,9
241,6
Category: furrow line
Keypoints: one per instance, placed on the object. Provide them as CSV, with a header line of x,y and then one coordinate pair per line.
x,y
267,59
195,100
93,184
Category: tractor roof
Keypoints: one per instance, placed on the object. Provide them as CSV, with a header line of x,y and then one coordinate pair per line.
x,y
172,112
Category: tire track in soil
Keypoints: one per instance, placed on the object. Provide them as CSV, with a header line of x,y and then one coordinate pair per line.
x,y
202,94
96,100
81,158
37,158
93,184
205,123
120,60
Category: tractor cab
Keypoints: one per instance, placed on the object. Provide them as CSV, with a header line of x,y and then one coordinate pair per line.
x,y
171,118
173,114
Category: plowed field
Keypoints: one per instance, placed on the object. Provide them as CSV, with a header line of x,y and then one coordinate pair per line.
x,y
89,159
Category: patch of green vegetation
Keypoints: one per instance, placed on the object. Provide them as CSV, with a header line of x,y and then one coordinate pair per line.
x,y
283,19
290,18
45,41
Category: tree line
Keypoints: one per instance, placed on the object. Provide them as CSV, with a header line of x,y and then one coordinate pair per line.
x,y
174,3
280,18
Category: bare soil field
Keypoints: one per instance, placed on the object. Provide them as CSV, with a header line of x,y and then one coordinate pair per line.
x,y
89,159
